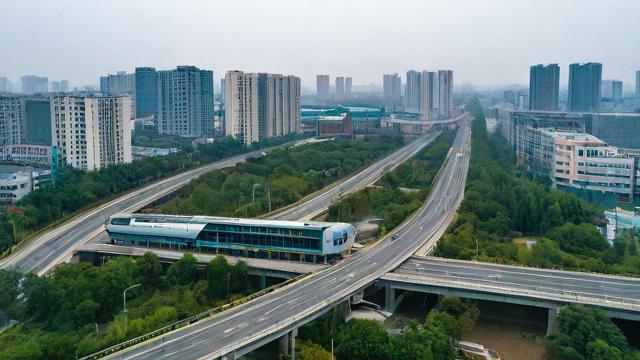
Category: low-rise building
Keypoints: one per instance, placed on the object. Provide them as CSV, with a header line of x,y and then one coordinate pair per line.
x,y
335,126
16,182
619,220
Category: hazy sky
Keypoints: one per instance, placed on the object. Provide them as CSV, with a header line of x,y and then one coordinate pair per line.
x,y
485,42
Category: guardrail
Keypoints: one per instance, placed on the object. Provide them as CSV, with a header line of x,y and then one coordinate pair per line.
x,y
522,290
187,321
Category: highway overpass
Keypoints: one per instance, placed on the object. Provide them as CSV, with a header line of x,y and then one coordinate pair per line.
x,y
618,296
278,314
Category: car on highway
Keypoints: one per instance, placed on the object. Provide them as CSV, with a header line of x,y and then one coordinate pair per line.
x,y
395,237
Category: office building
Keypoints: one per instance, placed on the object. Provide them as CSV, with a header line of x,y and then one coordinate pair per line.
x,y
60,86
584,87
544,86
120,83
185,102
222,90
391,86
259,105
620,220
348,85
412,92
611,90
90,132
37,116
146,94
340,88
12,124
577,160
617,129
445,93
32,84
322,86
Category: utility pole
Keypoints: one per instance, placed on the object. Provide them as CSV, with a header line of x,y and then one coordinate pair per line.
x,y
269,197
253,193
228,285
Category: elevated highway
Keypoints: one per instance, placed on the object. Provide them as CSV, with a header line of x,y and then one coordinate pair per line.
x,y
618,296
239,330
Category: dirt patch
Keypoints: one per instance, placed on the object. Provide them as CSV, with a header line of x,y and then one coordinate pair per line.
x,y
510,341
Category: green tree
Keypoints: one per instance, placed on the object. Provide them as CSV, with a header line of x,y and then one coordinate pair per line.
x,y
184,270
363,339
413,343
306,350
598,349
149,271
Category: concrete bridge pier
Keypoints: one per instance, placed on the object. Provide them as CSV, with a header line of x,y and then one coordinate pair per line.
x,y
287,344
391,298
263,282
552,320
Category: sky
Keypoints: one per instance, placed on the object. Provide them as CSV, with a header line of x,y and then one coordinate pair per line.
x,y
485,42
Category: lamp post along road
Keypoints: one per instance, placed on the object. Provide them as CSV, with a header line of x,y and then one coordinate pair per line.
x,y
124,304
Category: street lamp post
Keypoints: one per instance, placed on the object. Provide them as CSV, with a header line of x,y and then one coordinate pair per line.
x,y
253,193
124,304
228,285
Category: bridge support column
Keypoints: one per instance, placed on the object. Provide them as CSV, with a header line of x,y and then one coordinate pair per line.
x,y
389,299
263,282
231,356
552,320
287,344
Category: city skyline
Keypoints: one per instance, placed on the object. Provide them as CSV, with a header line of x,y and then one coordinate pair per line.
x,y
505,55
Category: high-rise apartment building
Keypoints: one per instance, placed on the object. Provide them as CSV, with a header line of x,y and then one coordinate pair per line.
x,y
348,84
260,106
4,84
185,102
120,83
638,84
340,87
611,90
12,124
544,87
146,94
322,86
445,93
426,98
412,91
91,133
584,87
60,86
391,85
32,84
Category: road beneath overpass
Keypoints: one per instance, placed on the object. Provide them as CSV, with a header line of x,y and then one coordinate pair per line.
x,y
257,322
620,296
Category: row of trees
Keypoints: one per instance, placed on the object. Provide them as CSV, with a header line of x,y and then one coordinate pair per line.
x,y
276,180
400,191
73,189
77,310
367,339
500,205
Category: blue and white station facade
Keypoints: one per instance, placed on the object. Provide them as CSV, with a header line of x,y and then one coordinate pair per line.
x,y
266,239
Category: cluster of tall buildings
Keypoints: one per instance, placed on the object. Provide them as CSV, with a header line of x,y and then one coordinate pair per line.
x,y
260,105
33,84
343,87
587,90
429,93
84,132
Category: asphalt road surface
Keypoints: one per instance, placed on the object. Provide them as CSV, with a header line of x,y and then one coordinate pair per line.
x,y
251,323
610,291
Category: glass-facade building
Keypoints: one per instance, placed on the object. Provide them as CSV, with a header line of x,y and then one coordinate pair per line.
x,y
146,85
38,121
544,86
266,239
